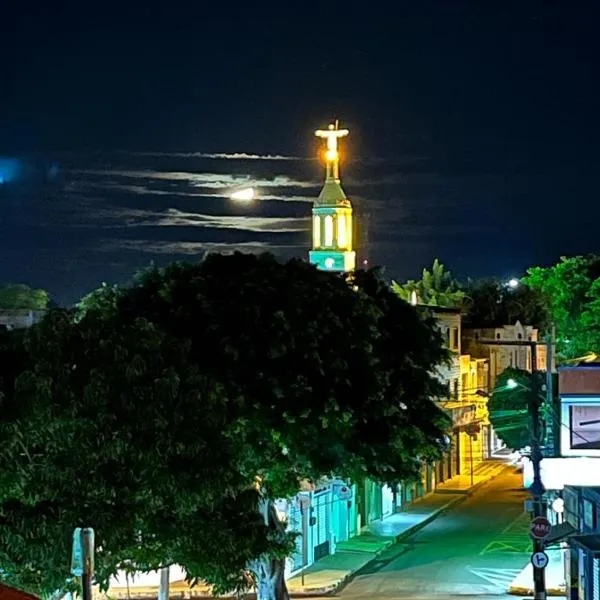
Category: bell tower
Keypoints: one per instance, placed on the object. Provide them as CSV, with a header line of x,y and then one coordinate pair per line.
x,y
332,227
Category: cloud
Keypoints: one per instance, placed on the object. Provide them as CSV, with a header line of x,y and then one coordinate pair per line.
x,y
143,190
177,218
206,180
217,155
192,248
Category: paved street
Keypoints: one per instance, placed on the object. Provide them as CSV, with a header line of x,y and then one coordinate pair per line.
x,y
475,549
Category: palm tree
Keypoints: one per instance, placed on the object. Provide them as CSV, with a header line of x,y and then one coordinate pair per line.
x,y
436,288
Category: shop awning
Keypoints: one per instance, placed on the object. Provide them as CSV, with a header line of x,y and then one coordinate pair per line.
x,y
10,593
560,532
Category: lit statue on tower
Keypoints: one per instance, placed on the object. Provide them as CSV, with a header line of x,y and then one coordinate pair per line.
x,y
332,156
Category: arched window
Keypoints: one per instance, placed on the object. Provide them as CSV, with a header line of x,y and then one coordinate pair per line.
x,y
316,231
328,231
349,232
342,240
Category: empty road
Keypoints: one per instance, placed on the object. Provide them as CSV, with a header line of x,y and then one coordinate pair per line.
x,y
475,549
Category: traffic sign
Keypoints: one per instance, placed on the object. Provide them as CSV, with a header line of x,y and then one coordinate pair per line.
x,y
540,528
77,553
539,560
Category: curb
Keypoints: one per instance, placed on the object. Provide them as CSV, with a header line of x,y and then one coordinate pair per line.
x,y
528,592
338,586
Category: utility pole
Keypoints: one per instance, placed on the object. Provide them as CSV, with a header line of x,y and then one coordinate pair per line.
x,y
537,487
550,347
87,543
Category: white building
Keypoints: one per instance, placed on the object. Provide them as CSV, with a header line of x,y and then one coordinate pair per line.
x,y
19,319
503,357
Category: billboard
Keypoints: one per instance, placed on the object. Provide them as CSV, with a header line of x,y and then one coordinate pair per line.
x,y
580,426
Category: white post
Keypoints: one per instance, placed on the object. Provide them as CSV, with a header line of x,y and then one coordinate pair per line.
x,y
163,590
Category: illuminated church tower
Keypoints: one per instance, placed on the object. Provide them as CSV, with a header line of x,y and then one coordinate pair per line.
x,y
332,244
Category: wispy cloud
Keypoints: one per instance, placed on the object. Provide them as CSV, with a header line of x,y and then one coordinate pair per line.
x,y
177,218
192,248
206,180
143,190
218,155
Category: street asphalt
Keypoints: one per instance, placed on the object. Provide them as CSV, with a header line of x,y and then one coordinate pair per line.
x,y
475,549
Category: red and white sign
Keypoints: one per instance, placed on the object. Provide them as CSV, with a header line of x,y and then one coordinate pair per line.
x,y
540,528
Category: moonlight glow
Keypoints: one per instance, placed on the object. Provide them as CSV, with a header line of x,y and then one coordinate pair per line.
x,y
244,195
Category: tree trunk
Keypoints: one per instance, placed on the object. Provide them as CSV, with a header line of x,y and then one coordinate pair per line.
x,y
270,572
271,581
163,589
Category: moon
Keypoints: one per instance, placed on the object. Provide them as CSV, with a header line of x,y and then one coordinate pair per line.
x,y
244,195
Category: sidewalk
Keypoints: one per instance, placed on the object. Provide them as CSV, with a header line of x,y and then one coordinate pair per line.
x,y
555,577
330,573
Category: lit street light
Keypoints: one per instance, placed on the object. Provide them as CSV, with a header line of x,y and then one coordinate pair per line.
x,y
513,283
511,384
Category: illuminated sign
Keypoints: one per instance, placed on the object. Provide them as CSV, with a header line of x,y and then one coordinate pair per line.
x,y
580,426
558,472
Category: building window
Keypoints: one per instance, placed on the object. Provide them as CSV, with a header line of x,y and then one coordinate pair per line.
x,y
316,232
589,514
342,240
448,337
349,232
455,340
328,231
497,336
455,389
519,336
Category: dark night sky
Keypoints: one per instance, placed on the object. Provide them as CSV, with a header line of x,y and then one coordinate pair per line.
x,y
474,132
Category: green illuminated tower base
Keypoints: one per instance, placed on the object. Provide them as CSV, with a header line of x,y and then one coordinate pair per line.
x,y
330,260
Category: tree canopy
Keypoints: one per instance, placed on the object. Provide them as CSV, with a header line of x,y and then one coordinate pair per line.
x,y
168,414
20,296
436,288
509,408
571,293
491,303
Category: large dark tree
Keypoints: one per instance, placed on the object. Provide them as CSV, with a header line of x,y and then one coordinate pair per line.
x,y
492,303
189,401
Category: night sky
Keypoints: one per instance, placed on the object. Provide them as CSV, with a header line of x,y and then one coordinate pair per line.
x,y
474,132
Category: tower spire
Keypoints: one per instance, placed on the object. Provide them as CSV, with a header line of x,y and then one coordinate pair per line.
x,y
332,248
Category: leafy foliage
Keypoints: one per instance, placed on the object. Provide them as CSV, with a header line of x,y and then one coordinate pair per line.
x,y
508,407
571,293
20,296
491,303
436,288
150,413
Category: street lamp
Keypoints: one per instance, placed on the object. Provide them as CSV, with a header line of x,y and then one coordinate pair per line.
x,y
511,384
513,283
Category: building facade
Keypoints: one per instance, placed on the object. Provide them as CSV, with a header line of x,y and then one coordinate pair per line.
x,y
504,357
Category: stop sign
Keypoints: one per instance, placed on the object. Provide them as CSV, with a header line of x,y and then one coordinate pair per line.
x,y
540,528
